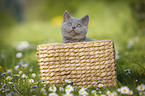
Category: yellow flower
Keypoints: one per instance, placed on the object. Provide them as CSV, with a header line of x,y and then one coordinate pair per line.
x,y
56,20
1,67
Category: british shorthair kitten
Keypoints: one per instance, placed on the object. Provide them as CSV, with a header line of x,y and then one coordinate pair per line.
x,y
74,29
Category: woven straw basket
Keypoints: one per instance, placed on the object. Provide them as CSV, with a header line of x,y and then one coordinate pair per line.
x,y
83,63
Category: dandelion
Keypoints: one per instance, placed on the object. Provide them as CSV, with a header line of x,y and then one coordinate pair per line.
x,y
30,81
83,92
108,93
61,89
9,78
33,75
100,85
130,92
141,87
114,93
93,92
124,90
19,55
67,81
17,67
52,88
69,88
52,94
42,90
24,76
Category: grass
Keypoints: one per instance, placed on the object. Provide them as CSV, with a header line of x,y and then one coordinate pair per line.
x,y
107,21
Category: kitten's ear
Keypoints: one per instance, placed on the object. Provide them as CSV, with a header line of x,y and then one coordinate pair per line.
x,y
66,16
85,20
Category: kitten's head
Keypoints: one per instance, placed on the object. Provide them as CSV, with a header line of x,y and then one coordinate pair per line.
x,y
74,27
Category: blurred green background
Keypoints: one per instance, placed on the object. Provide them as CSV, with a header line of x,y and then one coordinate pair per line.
x,y
39,20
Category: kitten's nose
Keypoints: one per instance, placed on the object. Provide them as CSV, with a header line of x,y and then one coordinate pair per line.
x,y
73,27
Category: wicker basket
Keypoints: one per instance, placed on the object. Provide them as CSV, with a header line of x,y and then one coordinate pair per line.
x,y
83,63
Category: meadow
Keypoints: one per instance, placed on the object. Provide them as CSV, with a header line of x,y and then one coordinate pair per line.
x,y
19,71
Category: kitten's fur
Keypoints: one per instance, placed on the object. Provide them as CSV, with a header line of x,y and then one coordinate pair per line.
x,y
74,29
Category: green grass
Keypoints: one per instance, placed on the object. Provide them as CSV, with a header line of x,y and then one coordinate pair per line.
x,y
107,21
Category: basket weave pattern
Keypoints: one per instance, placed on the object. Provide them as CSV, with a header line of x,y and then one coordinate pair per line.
x,y
83,63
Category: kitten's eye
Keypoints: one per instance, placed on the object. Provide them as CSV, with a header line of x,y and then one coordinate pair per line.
x,y
69,24
78,25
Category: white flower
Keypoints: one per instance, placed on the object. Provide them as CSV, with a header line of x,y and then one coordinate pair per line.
x,y
24,76
19,55
141,87
9,71
22,45
9,78
52,94
30,69
114,93
42,90
119,89
108,93
68,94
61,89
20,72
25,65
83,92
69,88
93,92
33,75
52,88
85,87
102,95
10,82
141,93
17,67
30,81
100,85
9,94
124,90
130,92
67,81
16,75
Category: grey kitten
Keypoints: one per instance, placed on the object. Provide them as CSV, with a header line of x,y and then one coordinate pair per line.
x,y
74,29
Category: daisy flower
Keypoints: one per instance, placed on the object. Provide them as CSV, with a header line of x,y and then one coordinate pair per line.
x,y
141,87
17,67
33,75
52,88
52,94
42,90
9,94
9,78
85,87
100,85
24,76
141,93
9,71
130,92
30,81
124,90
25,65
19,55
108,93
83,92
10,82
114,93
30,69
61,89
67,81
20,72
93,92
69,88
68,94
